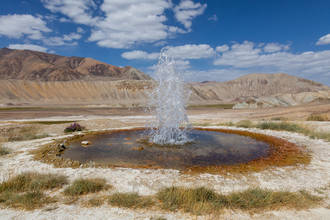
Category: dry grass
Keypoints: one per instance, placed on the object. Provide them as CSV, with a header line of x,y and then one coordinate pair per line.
x,y
317,117
4,151
196,201
285,126
94,202
130,200
281,126
85,186
23,133
28,200
32,182
48,122
204,201
25,190
244,124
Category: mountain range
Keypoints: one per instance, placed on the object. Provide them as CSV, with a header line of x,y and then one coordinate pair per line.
x,y
37,78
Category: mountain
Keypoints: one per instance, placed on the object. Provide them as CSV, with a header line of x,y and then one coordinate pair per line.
x,y
38,66
35,78
253,86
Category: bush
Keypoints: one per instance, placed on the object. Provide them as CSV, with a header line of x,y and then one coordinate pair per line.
x,y
74,127
85,186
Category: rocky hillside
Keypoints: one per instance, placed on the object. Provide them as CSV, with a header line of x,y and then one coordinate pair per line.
x,y
34,78
254,85
38,66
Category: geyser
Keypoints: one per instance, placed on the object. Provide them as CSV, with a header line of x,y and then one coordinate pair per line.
x,y
169,100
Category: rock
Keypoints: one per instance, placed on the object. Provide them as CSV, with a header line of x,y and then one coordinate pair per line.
x,y
85,143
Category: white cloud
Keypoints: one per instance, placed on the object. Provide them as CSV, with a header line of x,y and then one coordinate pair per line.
x,y
324,40
274,47
79,11
128,22
139,54
124,23
187,10
67,39
249,57
191,51
187,51
16,26
222,48
80,30
27,47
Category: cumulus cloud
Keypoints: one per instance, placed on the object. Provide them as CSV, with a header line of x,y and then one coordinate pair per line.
x,y
191,51
27,47
67,39
274,47
222,48
324,40
79,11
16,26
253,58
128,22
139,54
187,51
124,23
187,10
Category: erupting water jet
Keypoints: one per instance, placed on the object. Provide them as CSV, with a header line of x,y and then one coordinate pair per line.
x,y
169,100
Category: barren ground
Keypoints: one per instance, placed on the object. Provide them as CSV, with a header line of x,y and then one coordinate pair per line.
x,y
313,177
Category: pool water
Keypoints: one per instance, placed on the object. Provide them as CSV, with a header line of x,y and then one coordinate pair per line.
x,y
128,148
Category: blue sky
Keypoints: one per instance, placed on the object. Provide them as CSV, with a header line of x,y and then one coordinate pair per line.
x,y
211,40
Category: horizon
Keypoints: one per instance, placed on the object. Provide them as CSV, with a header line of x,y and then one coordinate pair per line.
x,y
210,40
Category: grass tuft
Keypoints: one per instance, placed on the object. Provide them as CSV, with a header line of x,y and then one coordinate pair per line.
x,y
316,117
28,200
204,201
282,126
197,201
85,186
244,124
4,151
259,199
130,200
23,133
94,202
32,182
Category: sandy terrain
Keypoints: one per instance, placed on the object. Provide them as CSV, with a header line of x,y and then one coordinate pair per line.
x,y
312,177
